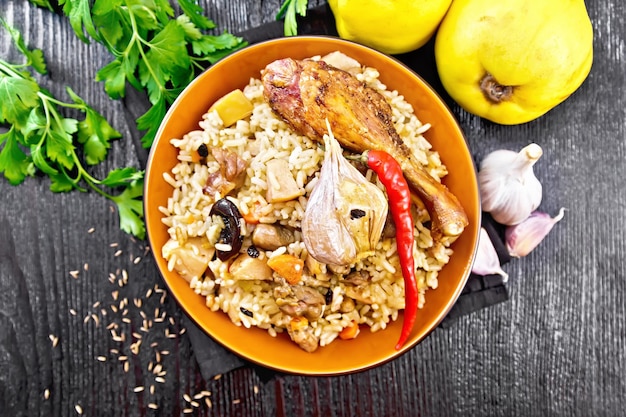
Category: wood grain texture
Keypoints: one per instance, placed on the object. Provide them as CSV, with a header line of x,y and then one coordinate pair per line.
x,y
556,348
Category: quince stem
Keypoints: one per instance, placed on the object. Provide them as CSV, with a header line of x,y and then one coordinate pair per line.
x,y
494,91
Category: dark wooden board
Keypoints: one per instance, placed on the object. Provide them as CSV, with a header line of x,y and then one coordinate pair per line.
x,y
555,348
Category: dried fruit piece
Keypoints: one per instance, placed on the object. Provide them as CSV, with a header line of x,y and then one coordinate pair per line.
x,y
232,107
287,266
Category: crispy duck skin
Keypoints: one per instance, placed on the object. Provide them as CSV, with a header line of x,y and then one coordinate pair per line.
x,y
306,92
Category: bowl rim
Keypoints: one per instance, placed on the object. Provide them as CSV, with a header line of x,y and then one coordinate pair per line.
x,y
181,303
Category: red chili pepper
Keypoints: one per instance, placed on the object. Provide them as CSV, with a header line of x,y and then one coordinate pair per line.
x,y
390,174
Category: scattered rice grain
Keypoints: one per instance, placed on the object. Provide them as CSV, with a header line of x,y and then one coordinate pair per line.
x,y
134,348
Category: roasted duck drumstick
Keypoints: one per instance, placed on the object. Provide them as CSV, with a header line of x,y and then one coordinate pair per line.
x,y
306,93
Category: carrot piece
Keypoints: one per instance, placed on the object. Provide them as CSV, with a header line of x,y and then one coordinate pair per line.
x,y
350,331
287,266
250,218
252,215
298,323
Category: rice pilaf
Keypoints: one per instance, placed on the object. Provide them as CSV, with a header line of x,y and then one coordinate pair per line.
x,y
370,292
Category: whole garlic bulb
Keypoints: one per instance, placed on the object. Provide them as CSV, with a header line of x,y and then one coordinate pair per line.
x,y
509,190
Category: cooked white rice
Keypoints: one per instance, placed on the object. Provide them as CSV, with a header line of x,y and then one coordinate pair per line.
x,y
257,139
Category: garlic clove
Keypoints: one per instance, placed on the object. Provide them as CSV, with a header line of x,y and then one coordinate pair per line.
x,y
486,261
522,238
331,233
509,190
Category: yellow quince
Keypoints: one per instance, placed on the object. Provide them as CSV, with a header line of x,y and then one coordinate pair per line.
x,y
511,61
393,27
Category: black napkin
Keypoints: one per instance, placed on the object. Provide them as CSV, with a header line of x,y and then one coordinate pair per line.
x,y
212,357
479,292
483,291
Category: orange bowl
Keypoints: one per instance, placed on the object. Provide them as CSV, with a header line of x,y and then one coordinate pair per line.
x,y
256,345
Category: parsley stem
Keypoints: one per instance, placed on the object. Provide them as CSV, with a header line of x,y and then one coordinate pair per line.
x,y
50,99
138,39
49,114
53,116
8,69
91,181
196,63
85,176
75,181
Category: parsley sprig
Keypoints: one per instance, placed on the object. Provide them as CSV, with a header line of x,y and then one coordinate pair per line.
x,y
289,10
40,138
154,50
